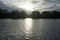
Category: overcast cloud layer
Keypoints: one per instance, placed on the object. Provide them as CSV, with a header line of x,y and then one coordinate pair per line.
x,y
40,4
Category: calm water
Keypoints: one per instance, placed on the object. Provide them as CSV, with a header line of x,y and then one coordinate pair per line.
x,y
30,29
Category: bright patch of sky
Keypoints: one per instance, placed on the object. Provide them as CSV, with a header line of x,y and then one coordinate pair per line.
x,y
38,4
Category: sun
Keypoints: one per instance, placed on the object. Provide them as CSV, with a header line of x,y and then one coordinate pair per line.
x,y
27,6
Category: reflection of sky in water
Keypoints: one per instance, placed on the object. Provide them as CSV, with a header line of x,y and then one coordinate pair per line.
x,y
28,28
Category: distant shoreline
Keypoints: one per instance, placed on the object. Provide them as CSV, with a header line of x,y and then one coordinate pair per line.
x,y
34,15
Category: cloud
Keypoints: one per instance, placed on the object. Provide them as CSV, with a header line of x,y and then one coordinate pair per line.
x,y
40,4
52,4
48,4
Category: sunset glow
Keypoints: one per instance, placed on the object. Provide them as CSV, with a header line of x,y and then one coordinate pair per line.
x,y
27,6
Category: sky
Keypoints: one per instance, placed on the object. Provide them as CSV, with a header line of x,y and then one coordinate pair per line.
x,y
40,5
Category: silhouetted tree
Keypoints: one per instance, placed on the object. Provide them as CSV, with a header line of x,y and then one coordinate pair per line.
x,y
15,14
23,14
45,14
55,14
52,14
3,13
35,14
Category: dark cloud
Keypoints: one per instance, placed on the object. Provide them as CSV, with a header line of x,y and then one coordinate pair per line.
x,y
51,4
52,1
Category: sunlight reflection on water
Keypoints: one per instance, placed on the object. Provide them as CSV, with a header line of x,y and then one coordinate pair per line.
x,y
28,28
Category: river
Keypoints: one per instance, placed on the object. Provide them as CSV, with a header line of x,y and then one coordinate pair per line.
x,y
29,29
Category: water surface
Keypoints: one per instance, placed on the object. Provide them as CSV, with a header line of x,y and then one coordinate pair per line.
x,y
30,29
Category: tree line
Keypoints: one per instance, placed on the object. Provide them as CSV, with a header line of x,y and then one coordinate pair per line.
x,y
14,14
34,14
